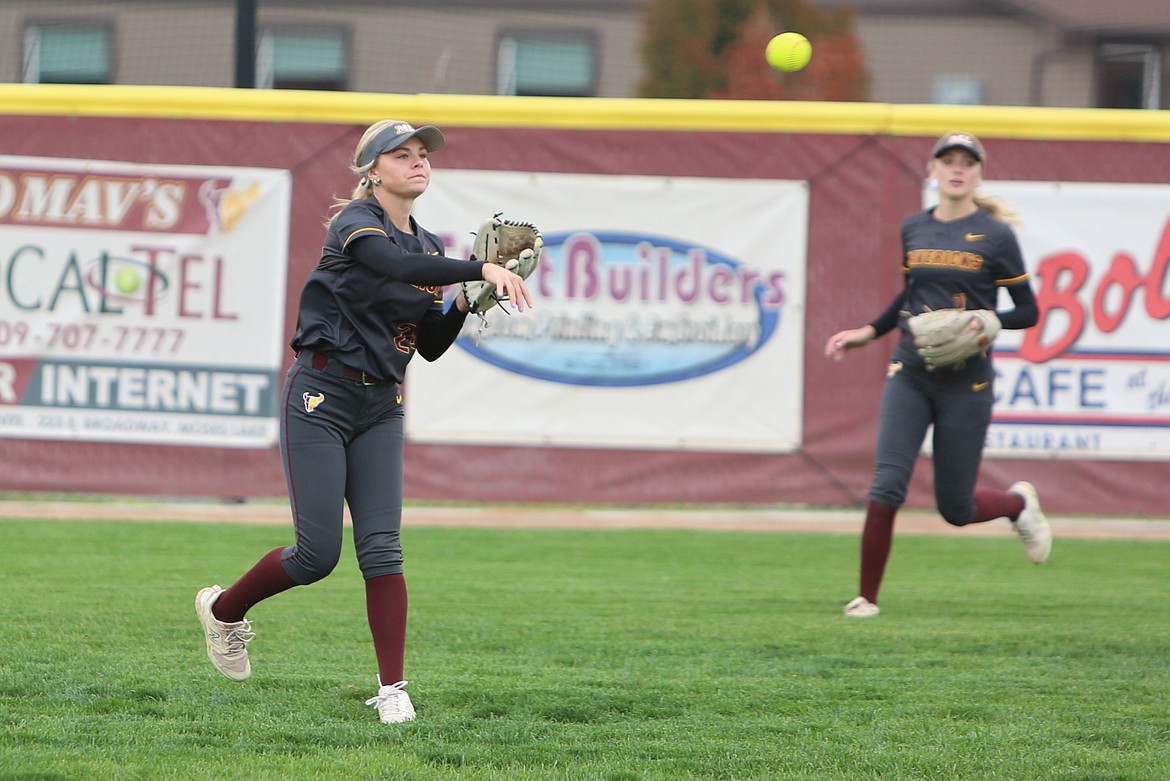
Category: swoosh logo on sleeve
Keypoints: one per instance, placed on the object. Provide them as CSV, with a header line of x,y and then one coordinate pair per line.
x,y
975,236
978,386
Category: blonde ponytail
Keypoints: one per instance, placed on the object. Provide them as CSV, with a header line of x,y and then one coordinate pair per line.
x,y
364,188
997,207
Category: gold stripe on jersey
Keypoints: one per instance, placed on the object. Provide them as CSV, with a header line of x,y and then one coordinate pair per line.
x,y
1011,281
357,234
944,258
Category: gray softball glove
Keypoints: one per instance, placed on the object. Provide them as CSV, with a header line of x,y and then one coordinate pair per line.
x,y
945,337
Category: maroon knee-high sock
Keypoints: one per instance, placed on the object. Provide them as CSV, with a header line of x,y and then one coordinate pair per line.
x,y
877,536
266,578
386,612
990,505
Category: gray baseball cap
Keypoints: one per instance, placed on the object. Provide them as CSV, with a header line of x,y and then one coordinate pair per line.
x,y
395,135
964,141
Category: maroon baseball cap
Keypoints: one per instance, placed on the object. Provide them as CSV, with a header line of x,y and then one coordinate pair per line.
x,y
964,141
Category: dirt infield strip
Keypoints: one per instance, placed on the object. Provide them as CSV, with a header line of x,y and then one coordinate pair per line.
x,y
840,521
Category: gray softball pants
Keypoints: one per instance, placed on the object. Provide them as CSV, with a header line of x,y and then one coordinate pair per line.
x,y
957,402
341,442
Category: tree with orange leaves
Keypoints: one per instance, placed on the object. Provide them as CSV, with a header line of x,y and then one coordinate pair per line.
x,y
715,49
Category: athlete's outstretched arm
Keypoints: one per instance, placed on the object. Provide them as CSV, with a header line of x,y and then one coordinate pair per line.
x,y
384,257
851,338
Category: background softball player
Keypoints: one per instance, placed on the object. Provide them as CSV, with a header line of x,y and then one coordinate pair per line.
x,y
374,300
955,256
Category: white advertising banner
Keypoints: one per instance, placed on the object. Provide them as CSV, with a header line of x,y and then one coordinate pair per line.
x,y
1092,379
669,313
141,303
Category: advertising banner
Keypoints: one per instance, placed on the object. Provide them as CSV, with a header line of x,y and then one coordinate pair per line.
x,y
141,303
668,314
1092,379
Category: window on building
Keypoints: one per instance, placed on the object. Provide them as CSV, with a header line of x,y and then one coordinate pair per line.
x,y
1129,76
67,53
958,90
560,64
302,59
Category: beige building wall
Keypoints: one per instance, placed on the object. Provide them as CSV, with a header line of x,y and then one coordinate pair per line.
x,y
393,48
415,50
190,44
908,56
1068,78
450,47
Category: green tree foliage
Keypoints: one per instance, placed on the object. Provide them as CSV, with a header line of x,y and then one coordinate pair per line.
x,y
715,49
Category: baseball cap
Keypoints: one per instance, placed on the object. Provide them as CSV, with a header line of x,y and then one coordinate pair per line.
x,y
397,133
960,141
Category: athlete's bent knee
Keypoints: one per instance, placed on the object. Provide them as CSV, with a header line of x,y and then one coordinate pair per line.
x,y
307,567
957,514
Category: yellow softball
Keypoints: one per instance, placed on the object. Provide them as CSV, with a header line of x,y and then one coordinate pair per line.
x,y
788,52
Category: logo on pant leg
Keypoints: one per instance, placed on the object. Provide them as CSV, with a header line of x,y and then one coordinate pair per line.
x,y
312,400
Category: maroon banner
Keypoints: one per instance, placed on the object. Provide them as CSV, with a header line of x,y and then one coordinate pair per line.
x,y
860,188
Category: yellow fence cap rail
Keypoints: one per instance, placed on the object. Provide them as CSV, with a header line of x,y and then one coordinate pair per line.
x,y
222,103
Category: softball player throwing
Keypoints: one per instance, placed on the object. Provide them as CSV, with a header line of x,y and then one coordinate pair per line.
x,y
957,256
373,301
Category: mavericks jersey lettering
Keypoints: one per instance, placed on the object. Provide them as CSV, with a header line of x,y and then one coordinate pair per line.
x,y
959,264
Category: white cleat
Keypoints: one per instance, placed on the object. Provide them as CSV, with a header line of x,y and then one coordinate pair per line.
x,y
393,703
1032,526
861,608
227,644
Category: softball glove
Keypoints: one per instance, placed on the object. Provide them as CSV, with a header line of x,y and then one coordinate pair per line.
x,y
945,337
509,243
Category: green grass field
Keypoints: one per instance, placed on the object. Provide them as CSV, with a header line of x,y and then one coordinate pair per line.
x,y
608,655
